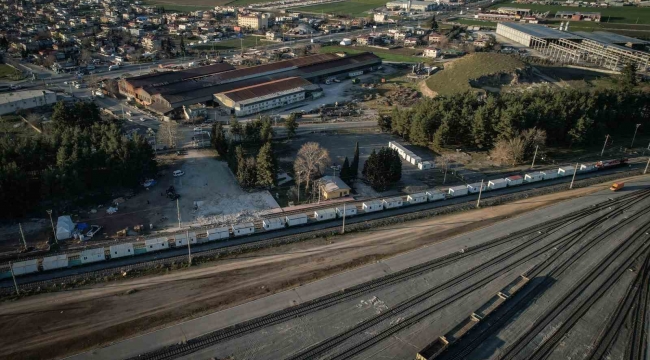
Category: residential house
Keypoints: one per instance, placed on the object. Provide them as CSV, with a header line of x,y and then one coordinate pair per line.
x,y
432,52
411,41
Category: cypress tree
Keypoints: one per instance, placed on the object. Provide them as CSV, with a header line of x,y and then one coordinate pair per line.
x,y
346,170
266,167
354,167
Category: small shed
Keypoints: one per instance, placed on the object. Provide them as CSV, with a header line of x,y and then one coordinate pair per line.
x,y
218,233
497,184
458,191
372,206
92,255
243,229
425,165
181,239
349,211
566,171
417,198
394,202
475,187
272,224
332,187
325,214
156,244
25,267
55,262
435,195
64,228
121,250
533,177
296,219
551,174
514,180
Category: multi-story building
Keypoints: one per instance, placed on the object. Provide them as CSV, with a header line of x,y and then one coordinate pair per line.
x,y
253,21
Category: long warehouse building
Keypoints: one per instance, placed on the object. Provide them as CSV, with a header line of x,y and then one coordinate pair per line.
x,y
601,48
219,85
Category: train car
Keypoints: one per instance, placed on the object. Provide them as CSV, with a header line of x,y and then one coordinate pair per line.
x,y
156,244
514,180
218,233
349,211
587,167
181,239
497,184
549,174
55,262
417,198
392,203
92,255
475,187
610,163
243,229
325,214
297,219
25,267
458,191
435,195
121,250
273,224
432,350
372,206
533,177
566,171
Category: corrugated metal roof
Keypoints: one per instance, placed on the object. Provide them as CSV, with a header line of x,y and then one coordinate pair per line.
x,y
611,38
255,91
540,31
170,77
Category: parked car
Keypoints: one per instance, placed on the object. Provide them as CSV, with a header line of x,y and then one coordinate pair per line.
x,y
178,173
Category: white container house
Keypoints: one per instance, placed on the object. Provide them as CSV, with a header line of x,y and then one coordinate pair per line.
x,y
533,177
475,187
417,198
435,195
415,160
297,219
92,255
272,224
458,191
551,174
55,262
121,250
497,184
181,239
425,165
372,206
25,267
156,244
391,203
218,233
349,211
566,171
325,214
243,229
514,180
587,167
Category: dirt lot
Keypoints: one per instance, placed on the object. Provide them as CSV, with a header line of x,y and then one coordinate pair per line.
x,y
53,325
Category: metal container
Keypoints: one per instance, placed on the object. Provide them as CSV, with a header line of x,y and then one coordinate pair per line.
x,y
458,190
435,195
156,244
121,250
372,206
218,233
475,187
391,203
497,184
417,198
349,211
92,255
566,171
325,214
533,177
297,219
243,229
514,180
272,224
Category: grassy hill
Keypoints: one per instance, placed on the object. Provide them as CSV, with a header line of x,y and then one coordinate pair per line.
x,y
455,77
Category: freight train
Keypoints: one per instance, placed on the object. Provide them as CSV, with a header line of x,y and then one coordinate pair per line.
x,y
161,243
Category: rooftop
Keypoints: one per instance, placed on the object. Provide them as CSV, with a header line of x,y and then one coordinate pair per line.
x,y
333,183
265,89
611,38
22,95
170,77
540,31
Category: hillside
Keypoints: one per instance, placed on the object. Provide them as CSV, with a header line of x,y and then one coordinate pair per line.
x,y
459,76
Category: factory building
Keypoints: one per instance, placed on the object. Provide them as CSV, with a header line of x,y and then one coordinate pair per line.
x,y
412,5
13,101
164,95
604,49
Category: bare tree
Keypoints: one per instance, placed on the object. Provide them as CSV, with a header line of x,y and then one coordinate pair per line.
x,y
509,151
168,134
310,162
86,56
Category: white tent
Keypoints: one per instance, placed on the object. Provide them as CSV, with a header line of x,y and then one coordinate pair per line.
x,y
64,228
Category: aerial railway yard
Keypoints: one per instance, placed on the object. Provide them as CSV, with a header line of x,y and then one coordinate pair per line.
x,y
571,281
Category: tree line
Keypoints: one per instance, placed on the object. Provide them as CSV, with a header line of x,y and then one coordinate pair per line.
x,y
79,157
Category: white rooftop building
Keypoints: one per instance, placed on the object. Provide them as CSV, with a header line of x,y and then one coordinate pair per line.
x,y
13,101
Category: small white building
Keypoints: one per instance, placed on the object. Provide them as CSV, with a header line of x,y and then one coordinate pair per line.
x,y
533,177
121,250
425,165
435,195
587,167
13,101
566,171
272,224
476,187
497,184
25,267
514,180
156,244
297,219
547,175
432,52
417,198
181,239
92,255
372,206
349,211
325,214
243,229
391,203
415,160
218,233
55,262
458,190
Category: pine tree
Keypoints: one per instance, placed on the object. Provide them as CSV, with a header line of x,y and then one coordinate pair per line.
x,y
383,168
441,136
266,130
266,167
235,129
219,139
291,125
346,170
247,173
231,156
354,167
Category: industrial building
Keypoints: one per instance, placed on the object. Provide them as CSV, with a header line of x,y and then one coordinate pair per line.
x,y
412,5
604,49
13,101
220,84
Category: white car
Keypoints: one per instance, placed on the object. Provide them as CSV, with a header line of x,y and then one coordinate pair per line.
x,y
178,173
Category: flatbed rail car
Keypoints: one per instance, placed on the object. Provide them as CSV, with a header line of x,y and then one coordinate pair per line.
x,y
140,246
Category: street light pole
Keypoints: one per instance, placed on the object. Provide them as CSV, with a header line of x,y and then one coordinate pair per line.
x,y
534,156
575,171
634,137
480,191
646,167
49,212
605,144
343,229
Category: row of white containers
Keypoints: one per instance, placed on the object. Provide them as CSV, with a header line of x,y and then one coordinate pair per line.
x,y
410,157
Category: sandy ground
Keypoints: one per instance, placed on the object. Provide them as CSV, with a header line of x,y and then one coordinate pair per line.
x,y
58,324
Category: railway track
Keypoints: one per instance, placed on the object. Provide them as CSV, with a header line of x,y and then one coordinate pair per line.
x,y
303,309
637,348
329,344
464,348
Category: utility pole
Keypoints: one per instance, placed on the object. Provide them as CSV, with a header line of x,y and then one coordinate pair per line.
x,y
20,226
178,211
646,167
634,137
605,144
11,266
189,250
318,191
343,229
480,191
575,171
49,212
534,156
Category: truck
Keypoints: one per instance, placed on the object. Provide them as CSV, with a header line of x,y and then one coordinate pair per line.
x,y
617,186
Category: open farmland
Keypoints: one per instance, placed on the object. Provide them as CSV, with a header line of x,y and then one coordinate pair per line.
x,y
456,76
625,15
352,7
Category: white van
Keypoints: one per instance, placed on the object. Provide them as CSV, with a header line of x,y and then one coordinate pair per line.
x,y
113,67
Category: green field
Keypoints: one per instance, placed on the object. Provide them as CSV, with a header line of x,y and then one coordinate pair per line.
x,y
455,77
623,14
247,42
351,7
400,55
9,73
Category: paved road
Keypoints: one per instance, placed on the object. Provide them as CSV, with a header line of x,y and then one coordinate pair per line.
x,y
193,328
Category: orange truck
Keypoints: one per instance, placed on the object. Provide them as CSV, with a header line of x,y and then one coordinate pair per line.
x,y
617,186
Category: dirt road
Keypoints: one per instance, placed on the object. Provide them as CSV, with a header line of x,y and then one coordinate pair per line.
x,y
58,324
